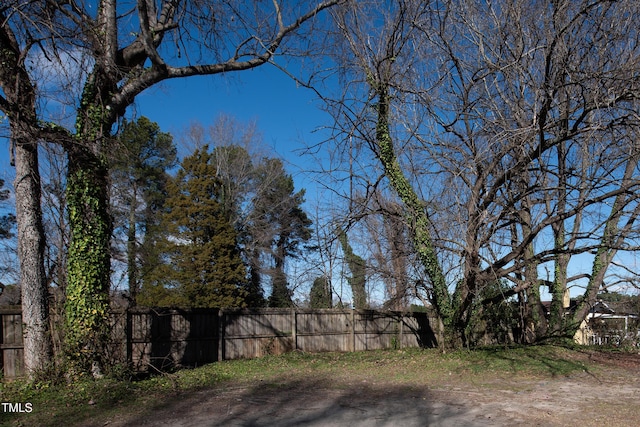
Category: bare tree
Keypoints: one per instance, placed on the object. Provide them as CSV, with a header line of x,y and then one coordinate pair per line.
x,y
474,111
391,251
540,110
378,56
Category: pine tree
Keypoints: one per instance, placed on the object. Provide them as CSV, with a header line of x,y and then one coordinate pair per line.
x,y
236,172
204,267
277,208
320,295
139,176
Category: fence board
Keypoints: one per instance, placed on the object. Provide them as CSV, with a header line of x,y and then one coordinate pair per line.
x,y
11,346
169,338
324,330
256,333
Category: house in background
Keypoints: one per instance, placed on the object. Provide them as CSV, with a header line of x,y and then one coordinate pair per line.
x,y
609,323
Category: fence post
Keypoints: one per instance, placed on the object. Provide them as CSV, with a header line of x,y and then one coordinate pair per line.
x,y
128,336
221,328
353,330
294,328
401,329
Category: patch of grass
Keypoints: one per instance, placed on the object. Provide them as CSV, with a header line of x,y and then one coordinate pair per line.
x,y
95,402
530,360
55,405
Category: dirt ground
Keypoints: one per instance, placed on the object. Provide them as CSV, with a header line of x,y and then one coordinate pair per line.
x,y
607,396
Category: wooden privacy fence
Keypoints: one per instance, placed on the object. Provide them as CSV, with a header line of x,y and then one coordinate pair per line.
x,y
169,338
12,357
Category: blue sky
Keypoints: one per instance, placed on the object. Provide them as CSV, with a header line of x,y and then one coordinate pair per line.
x,y
286,115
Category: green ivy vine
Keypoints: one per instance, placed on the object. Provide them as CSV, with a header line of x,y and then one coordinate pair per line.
x,y
87,296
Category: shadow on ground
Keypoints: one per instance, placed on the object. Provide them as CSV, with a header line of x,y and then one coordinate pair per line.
x,y
312,403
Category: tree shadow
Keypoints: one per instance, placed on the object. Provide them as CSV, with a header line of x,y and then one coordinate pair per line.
x,y
170,339
535,358
420,326
312,402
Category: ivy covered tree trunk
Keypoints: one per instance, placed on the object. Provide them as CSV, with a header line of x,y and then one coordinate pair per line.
x,y
87,297
357,265
87,321
416,215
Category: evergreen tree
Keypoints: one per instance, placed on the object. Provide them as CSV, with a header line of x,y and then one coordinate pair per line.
x,y
320,295
203,265
236,172
139,175
280,292
279,218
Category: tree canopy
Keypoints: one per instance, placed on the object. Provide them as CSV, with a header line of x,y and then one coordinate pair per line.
x,y
139,174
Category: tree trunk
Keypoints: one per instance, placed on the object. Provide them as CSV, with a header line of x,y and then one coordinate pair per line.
x,y
132,248
19,100
87,304
31,244
357,265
